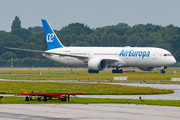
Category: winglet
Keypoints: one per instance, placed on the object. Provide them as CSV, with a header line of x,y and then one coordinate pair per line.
x,y
51,38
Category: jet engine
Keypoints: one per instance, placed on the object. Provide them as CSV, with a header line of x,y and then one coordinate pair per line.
x,y
97,64
146,68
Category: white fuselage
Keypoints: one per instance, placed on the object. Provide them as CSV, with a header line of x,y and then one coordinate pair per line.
x,y
124,56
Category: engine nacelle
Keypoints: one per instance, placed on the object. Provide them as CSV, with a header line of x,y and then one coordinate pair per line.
x,y
97,64
146,68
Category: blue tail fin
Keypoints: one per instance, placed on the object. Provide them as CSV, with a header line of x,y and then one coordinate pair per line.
x,y
51,38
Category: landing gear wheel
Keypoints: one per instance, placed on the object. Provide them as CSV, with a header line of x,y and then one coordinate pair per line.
x,y
93,71
89,70
113,71
120,71
162,71
117,71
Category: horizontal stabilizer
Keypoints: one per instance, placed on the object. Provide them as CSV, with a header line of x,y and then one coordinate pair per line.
x,y
36,51
47,52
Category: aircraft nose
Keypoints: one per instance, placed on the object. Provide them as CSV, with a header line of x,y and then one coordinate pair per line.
x,y
173,61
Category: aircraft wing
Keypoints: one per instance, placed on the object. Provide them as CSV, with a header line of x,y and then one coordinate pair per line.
x,y
109,60
47,52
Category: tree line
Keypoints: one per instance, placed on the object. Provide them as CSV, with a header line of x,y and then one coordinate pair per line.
x,y
78,34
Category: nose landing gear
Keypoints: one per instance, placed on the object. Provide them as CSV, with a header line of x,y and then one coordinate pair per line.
x,y
162,70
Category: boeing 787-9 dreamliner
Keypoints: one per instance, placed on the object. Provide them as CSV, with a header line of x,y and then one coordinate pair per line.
x,y
99,58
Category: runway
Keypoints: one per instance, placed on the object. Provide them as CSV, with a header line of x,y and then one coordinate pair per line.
x,y
88,111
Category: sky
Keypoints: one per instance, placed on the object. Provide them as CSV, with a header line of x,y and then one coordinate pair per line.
x,y
93,13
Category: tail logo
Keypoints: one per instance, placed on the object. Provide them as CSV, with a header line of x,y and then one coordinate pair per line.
x,y
49,37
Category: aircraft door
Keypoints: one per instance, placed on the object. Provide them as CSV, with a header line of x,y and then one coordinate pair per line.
x,y
155,59
155,55
90,53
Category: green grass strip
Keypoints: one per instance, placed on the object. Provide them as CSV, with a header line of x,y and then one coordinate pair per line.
x,y
21,100
85,88
103,76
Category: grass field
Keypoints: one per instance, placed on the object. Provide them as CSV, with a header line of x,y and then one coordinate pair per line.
x,y
82,75
21,100
85,88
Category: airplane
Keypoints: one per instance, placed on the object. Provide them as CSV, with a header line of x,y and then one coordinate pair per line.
x,y
99,58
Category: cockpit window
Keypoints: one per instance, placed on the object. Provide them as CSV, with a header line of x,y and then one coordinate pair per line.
x,y
167,55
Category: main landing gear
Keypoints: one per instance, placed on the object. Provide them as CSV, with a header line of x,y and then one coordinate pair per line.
x,y
117,70
93,71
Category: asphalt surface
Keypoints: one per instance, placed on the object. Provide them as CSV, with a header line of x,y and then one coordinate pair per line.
x,y
88,111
